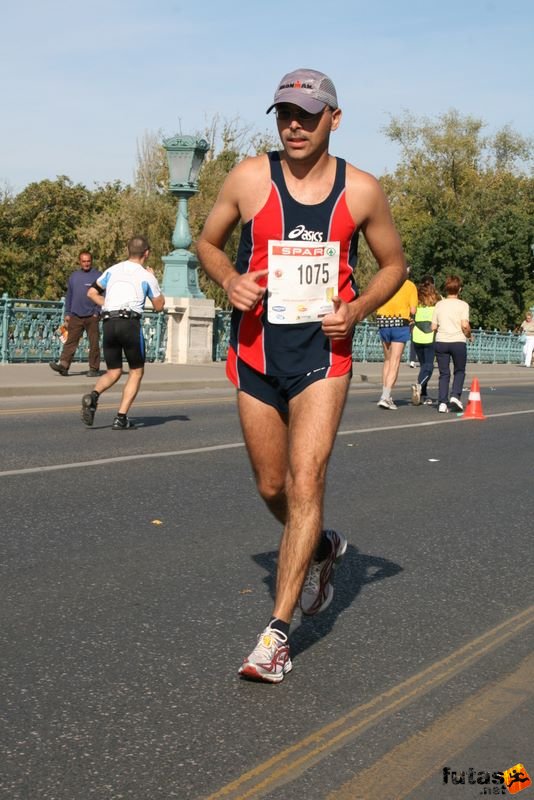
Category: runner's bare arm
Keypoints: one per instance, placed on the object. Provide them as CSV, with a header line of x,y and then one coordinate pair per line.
x,y
158,303
235,201
94,295
370,210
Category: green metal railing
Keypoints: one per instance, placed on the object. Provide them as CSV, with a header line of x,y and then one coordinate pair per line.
x,y
221,334
488,347
29,332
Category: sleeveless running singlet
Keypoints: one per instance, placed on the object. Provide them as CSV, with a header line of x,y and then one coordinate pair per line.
x,y
294,349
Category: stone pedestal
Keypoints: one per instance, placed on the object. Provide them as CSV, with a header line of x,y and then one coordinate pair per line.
x,y
180,276
189,330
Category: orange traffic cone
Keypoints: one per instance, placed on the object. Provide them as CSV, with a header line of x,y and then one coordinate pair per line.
x,y
474,405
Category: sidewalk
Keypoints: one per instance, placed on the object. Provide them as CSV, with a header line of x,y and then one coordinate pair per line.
x,y
22,380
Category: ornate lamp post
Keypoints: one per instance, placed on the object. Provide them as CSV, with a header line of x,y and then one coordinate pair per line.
x,y
185,155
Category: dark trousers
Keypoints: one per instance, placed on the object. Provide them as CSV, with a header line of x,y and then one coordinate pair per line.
x,y
425,356
77,325
445,351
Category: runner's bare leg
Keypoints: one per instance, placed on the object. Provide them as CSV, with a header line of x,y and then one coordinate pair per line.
x,y
314,417
289,462
265,431
131,388
392,358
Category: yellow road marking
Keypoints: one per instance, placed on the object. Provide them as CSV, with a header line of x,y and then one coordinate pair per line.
x,y
144,403
286,765
5,412
411,763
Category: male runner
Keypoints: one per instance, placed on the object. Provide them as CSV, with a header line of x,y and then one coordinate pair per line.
x,y
295,307
121,291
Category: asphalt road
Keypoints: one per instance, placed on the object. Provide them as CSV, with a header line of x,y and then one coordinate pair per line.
x,y
137,568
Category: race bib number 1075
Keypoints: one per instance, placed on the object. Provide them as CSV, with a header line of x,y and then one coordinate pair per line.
x,y
303,280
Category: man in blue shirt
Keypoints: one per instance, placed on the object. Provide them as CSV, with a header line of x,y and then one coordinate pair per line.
x,y
81,314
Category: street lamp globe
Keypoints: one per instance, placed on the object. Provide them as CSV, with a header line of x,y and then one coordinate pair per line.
x,y
185,155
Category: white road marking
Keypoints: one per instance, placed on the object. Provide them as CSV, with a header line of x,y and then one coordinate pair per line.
x,y
231,446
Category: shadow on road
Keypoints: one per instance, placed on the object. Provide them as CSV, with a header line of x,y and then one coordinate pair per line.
x,y
145,422
151,422
355,571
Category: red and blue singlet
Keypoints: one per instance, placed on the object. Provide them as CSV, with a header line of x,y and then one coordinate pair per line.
x,y
294,349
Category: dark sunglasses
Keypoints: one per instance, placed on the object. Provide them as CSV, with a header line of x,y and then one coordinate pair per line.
x,y
285,114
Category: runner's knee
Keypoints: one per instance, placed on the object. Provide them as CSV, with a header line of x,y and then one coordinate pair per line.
x,y
271,488
307,484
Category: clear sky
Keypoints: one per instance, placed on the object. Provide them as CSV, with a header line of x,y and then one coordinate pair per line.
x,y
80,83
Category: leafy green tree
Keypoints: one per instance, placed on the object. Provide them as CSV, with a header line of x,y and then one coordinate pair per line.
x,y
463,204
37,223
119,212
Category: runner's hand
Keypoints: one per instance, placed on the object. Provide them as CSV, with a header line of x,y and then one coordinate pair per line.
x,y
244,291
340,323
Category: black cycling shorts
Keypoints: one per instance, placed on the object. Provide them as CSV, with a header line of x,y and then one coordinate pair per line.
x,y
274,390
123,336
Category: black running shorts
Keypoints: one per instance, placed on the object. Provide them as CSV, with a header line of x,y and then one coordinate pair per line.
x,y
275,390
123,336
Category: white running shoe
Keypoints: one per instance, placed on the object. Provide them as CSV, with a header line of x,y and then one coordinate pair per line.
x,y
443,408
318,591
269,661
456,404
416,394
387,403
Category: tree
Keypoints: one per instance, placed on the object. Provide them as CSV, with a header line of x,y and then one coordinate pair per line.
x,y
119,212
463,204
152,172
37,224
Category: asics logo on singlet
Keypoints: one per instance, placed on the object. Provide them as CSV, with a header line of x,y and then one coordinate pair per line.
x,y
300,232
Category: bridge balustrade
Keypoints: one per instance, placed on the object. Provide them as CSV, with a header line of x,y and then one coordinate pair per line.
x,y
29,332
488,347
